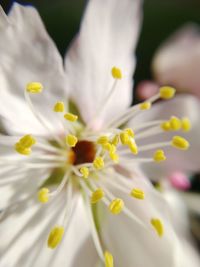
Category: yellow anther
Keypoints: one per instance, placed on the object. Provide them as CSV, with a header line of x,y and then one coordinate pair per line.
x,y
71,117
59,107
114,157
167,92
27,141
175,123
158,226
185,124
166,126
34,88
125,138
159,156
180,143
71,140
108,259
107,146
23,146
116,73
43,195
137,193
55,237
97,196
102,140
84,171
21,150
145,105
98,163
115,140
133,147
130,132
116,206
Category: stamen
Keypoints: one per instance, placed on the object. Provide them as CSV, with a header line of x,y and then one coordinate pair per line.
x,y
114,157
55,237
23,146
59,107
124,138
97,195
43,195
98,163
39,117
186,124
137,193
95,235
71,140
159,156
84,171
109,147
158,226
165,126
145,105
116,73
102,140
126,211
133,147
180,143
175,123
130,132
116,206
115,140
167,92
34,87
71,117
108,259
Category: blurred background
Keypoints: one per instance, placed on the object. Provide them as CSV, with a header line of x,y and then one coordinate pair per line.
x,y
161,19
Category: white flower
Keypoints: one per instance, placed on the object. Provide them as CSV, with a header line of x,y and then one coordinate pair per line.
x,y
69,161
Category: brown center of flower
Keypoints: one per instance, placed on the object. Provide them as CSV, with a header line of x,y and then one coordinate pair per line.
x,y
83,152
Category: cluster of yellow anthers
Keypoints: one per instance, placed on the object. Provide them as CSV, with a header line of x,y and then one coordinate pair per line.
x,y
23,146
107,152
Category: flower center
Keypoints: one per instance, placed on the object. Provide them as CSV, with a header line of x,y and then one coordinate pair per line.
x,y
83,152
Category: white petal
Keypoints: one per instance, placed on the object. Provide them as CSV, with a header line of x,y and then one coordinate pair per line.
x,y
186,161
26,242
27,55
179,215
107,38
130,243
177,61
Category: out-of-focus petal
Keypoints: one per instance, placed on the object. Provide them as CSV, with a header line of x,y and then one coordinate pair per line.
x,y
107,38
27,55
178,212
25,244
177,61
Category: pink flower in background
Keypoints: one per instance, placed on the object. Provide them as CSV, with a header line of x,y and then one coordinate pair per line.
x,y
177,61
